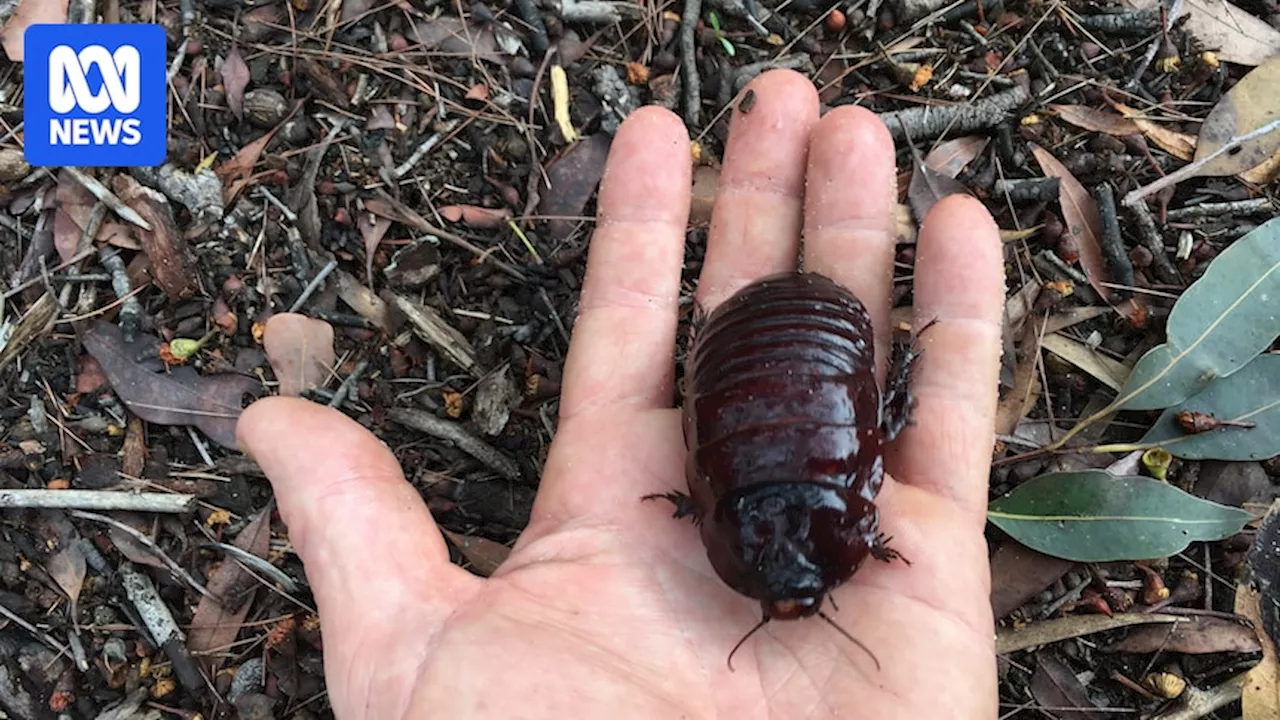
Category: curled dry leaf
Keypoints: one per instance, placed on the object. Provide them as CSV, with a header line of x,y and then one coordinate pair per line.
x,y
372,229
706,184
180,396
476,216
1179,145
300,350
952,156
235,78
1080,213
172,266
67,567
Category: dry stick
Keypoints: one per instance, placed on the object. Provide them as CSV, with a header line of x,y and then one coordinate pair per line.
x,y
1151,237
44,637
451,432
1112,243
689,59
1252,206
160,624
130,308
100,191
928,122
1189,171
105,500
310,289
87,252
173,566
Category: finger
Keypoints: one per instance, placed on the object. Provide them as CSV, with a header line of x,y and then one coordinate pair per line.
x,y
848,224
960,284
362,531
755,225
624,337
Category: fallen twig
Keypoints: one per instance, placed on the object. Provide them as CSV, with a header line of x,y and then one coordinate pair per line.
x,y
104,500
130,309
453,433
1154,241
929,122
1190,171
161,625
689,61
100,191
174,567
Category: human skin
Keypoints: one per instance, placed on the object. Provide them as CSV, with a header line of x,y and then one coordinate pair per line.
x,y
607,606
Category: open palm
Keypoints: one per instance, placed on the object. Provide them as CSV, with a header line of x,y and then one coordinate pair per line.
x,y
608,607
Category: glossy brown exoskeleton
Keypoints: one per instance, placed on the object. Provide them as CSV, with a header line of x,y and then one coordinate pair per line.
x,y
784,423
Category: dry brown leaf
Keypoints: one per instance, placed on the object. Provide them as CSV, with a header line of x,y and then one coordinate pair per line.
x,y
235,173
1054,685
1018,573
180,396
952,156
1080,213
451,35
172,264
574,177
214,626
133,549
1111,373
476,216
1201,635
28,13
235,78
300,350
1235,35
1101,121
1020,398
706,185
1180,145
483,554
67,567
1249,105
372,229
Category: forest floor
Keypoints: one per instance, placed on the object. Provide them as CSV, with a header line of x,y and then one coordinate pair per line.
x,y
374,174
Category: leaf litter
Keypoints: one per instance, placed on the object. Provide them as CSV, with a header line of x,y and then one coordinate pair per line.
x,y
178,396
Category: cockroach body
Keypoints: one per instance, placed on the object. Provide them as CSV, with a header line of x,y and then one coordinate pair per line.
x,y
784,424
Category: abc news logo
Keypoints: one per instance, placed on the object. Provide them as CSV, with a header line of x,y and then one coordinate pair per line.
x,y
69,89
96,95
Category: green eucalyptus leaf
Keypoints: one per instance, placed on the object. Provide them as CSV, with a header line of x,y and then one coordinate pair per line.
x,y
728,47
1094,516
1220,323
1251,395
714,19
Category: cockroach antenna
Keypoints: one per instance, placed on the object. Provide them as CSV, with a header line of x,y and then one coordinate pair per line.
x,y
852,639
763,621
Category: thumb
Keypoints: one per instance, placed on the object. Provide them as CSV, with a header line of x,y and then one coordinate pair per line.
x,y
368,542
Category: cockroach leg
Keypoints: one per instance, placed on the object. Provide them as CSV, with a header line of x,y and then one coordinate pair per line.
x,y
685,506
880,550
899,403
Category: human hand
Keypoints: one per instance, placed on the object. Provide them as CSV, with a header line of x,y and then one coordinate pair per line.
x,y
608,607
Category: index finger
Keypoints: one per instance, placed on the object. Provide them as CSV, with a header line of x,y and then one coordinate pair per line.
x,y
623,344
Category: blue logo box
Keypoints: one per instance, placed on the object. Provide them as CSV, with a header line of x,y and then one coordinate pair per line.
x,y
95,95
